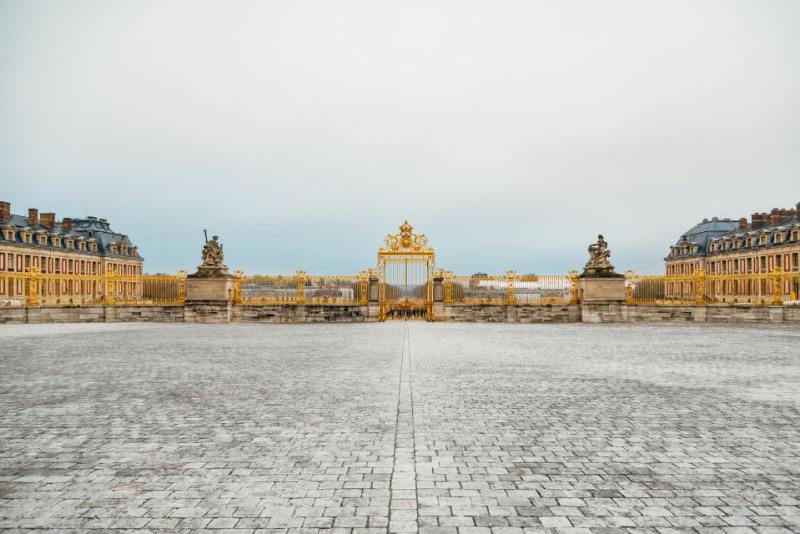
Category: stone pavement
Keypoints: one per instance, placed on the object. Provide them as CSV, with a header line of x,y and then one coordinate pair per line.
x,y
399,427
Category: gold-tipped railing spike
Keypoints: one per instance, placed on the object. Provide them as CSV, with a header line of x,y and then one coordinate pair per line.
x,y
300,281
630,280
33,286
238,275
447,282
699,280
574,284
777,286
511,295
111,278
363,288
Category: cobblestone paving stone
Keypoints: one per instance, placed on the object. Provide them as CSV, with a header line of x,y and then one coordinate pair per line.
x,y
399,428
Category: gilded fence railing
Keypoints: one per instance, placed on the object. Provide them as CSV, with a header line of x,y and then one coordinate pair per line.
x,y
774,288
301,288
510,288
34,288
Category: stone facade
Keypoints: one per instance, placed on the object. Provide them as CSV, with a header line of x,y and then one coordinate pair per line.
x,y
768,242
70,246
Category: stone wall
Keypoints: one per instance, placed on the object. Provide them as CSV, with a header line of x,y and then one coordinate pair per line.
x,y
485,313
604,313
207,311
91,314
291,313
715,313
737,313
222,312
660,314
161,314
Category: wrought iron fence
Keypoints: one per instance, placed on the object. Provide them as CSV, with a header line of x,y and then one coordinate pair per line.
x,y
34,288
509,288
301,288
774,288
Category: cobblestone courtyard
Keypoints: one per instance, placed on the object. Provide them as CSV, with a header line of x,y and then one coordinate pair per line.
x,y
399,427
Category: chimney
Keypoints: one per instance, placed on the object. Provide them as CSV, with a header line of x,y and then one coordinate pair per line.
x,y
743,223
66,224
756,220
33,216
5,210
47,219
775,217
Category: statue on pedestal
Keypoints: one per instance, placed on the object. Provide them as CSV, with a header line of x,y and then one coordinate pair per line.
x,y
212,252
212,257
598,264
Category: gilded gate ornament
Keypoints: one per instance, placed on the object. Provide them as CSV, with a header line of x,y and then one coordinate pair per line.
x,y
406,241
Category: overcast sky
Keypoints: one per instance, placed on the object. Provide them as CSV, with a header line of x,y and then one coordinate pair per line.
x,y
511,133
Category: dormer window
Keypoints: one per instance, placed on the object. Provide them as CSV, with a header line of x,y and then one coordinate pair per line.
x,y
762,240
8,233
92,245
81,244
26,235
55,240
795,235
41,238
68,242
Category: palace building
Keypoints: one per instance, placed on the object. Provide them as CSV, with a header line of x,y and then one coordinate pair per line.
x,y
71,247
769,243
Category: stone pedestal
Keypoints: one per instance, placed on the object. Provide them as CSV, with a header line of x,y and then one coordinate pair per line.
x,y
208,300
438,289
602,289
374,290
209,288
602,296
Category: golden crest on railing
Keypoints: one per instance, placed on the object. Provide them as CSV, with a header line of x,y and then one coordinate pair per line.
x,y
406,241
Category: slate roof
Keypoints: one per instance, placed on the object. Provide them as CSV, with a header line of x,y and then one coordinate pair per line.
x,y
88,228
703,232
710,230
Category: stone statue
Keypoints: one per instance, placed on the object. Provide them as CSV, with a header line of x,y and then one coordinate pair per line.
x,y
599,254
598,264
212,266
212,253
